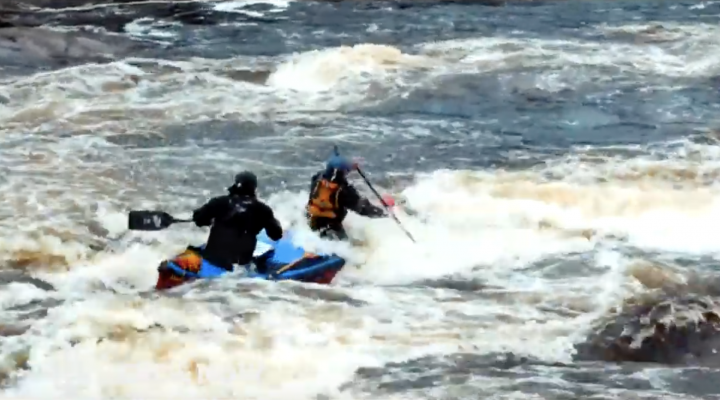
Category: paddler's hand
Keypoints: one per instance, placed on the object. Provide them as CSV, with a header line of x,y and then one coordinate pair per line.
x,y
356,163
388,200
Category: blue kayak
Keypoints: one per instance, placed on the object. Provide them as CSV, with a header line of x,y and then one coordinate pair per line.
x,y
272,260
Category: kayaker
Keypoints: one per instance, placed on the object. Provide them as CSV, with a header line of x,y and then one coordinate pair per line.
x,y
331,196
236,218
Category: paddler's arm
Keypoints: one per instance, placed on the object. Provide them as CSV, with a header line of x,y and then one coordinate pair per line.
x,y
314,181
204,215
272,226
351,199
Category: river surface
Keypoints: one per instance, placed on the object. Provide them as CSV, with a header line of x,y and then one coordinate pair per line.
x,y
555,161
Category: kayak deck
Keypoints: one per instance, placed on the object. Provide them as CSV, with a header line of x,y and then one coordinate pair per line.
x,y
272,260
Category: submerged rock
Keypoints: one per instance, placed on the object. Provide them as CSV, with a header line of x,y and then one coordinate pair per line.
x,y
7,277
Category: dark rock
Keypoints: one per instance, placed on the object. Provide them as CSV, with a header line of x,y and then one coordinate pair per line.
x,y
110,15
38,46
26,41
674,330
61,4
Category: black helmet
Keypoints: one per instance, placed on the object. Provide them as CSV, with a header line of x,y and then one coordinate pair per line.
x,y
245,183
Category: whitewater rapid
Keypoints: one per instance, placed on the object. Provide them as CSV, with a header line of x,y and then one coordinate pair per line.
x,y
520,258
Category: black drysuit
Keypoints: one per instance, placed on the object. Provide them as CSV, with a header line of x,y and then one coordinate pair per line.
x,y
236,221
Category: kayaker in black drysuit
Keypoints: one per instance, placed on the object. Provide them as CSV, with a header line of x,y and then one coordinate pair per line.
x,y
331,196
236,218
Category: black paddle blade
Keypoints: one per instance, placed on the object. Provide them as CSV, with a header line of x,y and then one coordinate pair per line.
x,y
149,220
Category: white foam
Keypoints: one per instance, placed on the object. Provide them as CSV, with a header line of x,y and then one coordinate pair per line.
x,y
490,226
476,225
238,5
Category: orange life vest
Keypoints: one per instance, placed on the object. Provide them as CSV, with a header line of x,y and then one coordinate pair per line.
x,y
324,200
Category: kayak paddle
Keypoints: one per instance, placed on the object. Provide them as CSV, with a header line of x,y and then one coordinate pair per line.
x,y
387,207
382,201
143,220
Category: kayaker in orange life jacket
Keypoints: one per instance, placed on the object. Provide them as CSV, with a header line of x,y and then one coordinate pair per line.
x,y
331,196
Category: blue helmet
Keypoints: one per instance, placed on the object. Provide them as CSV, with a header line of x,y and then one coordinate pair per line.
x,y
338,163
